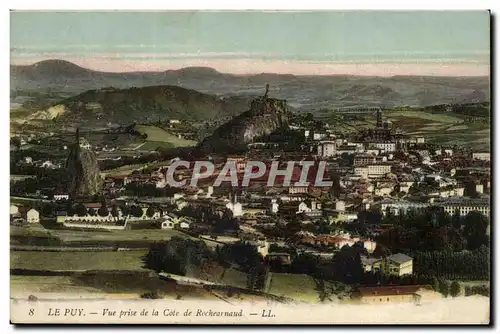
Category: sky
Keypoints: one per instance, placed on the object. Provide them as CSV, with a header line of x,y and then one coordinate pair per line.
x,y
312,43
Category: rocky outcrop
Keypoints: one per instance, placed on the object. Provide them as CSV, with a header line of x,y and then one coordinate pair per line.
x,y
83,170
50,113
266,115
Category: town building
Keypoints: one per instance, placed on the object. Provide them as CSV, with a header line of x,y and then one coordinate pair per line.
x,y
14,210
398,264
378,170
485,156
397,207
284,258
32,216
327,149
395,265
465,205
395,294
61,197
384,146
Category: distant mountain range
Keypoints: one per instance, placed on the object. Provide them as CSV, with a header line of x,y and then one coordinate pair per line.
x,y
144,104
303,92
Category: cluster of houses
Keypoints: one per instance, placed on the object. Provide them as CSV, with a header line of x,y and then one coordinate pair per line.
x,y
118,220
380,169
22,215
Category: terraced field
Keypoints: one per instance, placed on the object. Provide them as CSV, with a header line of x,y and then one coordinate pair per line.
x,y
77,261
156,135
443,128
297,286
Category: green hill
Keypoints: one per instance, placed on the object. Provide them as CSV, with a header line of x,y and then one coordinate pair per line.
x,y
146,104
157,137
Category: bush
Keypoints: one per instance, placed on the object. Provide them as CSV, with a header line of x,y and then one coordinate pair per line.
x,y
455,289
444,288
483,290
150,295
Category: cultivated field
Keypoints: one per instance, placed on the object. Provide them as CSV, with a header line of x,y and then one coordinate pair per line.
x,y
297,286
157,135
77,261
443,128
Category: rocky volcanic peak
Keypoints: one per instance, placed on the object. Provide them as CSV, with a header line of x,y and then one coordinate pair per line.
x,y
265,116
83,170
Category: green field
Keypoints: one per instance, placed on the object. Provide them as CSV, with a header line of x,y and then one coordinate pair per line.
x,y
113,236
154,145
77,261
297,286
436,127
235,278
101,284
38,236
157,135
443,128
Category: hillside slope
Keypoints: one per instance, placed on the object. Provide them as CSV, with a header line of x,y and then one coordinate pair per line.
x,y
301,91
265,116
124,106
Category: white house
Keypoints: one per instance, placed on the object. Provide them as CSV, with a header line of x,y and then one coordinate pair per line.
x,y
156,214
327,149
32,216
14,210
181,204
340,206
274,206
167,224
49,164
235,208
362,172
481,156
318,135
210,191
303,208
184,224
384,146
61,197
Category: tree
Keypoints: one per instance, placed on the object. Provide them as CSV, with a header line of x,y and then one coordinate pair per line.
x,y
347,266
455,289
444,288
92,212
456,221
179,256
114,211
435,284
135,211
103,211
324,227
81,210
381,251
48,210
150,211
125,210
475,229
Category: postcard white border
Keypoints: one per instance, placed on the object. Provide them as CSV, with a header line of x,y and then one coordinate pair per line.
x,y
199,4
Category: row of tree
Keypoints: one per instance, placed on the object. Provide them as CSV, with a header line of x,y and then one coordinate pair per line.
x,y
466,265
445,288
435,230
193,258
